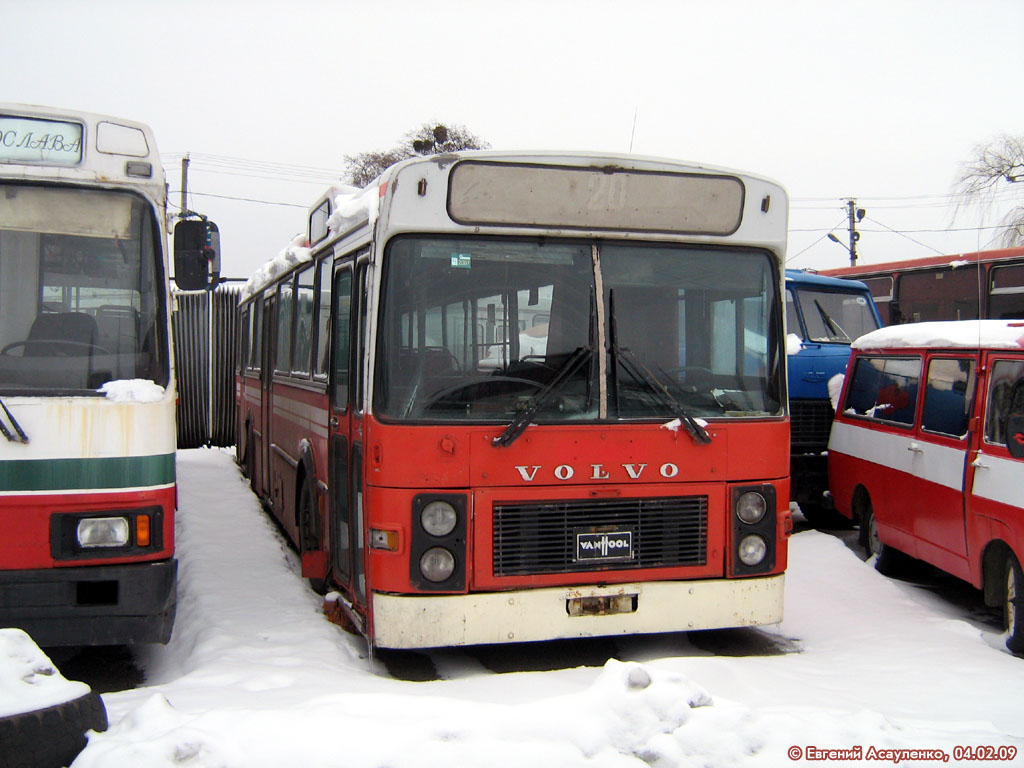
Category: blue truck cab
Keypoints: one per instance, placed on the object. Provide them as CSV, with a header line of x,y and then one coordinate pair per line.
x,y
823,317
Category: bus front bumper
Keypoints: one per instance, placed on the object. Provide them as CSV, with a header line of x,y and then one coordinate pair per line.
x,y
92,605
428,621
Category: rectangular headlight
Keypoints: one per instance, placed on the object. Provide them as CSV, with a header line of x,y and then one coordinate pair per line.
x,y
103,532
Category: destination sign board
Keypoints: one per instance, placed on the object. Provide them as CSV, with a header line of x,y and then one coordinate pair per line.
x,y
37,141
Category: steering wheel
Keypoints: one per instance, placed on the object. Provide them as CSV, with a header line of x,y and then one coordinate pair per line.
x,y
92,349
695,377
476,381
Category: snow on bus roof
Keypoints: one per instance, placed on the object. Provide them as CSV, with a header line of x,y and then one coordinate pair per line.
x,y
350,206
971,334
295,253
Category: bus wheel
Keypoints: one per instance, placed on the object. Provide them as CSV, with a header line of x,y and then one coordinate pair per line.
x,y
250,458
888,561
1013,606
309,528
246,461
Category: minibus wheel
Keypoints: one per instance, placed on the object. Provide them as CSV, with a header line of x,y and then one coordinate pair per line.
x,y
1013,606
887,559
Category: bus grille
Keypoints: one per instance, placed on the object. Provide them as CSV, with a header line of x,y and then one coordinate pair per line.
x,y
541,538
810,425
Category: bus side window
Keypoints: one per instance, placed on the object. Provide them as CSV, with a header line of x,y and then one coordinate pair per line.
x,y
256,336
243,339
342,346
302,354
283,353
323,313
359,335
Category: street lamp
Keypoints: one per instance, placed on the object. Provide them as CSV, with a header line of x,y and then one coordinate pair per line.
x,y
856,215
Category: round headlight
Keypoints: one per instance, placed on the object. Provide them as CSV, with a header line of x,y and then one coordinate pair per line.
x,y
438,518
437,564
752,549
750,507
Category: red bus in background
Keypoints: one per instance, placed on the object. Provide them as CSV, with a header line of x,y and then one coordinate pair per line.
x,y
510,397
967,286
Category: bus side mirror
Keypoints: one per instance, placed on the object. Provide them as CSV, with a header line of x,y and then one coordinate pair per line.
x,y
196,254
1015,435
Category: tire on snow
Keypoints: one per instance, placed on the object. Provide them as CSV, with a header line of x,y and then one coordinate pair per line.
x,y
1013,605
52,736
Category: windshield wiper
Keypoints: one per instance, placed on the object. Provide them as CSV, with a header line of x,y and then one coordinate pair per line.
x,y
523,418
834,327
635,367
640,372
21,436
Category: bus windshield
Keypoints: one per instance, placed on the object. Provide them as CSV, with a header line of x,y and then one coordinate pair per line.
x,y
80,281
483,329
832,316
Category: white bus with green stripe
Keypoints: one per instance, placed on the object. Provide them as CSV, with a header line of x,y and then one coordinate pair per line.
x,y
87,430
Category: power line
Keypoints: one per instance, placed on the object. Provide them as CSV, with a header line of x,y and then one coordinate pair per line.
x,y
793,256
875,199
903,234
224,161
907,231
241,199
321,182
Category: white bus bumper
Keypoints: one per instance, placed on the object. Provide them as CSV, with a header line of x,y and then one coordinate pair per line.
x,y
426,621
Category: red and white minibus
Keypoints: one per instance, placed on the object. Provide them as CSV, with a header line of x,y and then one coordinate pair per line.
x,y
518,396
927,452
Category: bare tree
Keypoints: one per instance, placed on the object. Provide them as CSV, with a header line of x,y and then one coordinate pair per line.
x,y
427,139
367,166
981,178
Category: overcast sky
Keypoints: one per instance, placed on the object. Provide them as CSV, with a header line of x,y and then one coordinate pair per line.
x,y
880,100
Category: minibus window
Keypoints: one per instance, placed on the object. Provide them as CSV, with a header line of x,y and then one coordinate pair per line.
x,y
1005,396
948,395
884,388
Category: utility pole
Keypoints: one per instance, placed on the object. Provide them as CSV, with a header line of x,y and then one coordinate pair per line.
x,y
854,216
184,186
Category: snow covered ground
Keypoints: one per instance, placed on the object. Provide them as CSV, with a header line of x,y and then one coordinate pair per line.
x,y
255,676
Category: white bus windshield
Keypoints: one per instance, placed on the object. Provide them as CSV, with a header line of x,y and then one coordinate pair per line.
x,y
475,329
79,299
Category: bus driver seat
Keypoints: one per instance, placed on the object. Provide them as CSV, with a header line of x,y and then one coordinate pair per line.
x,y
61,334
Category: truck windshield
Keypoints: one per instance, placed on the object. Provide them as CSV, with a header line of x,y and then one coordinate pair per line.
x,y
79,271
831,316
475,329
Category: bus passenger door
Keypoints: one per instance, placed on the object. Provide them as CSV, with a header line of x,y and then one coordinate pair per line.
x,y
345,533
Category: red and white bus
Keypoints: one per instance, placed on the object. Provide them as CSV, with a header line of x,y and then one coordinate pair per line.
x,y
87,478
519,396
966,286
927,453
